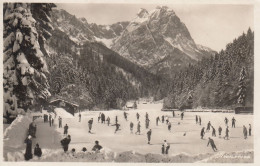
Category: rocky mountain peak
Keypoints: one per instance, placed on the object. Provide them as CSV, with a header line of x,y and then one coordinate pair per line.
x,y
143,13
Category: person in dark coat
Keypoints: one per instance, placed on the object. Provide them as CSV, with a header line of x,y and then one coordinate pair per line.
x,y
149,133
245,132
147,121
97,147
66,128
79,117
138,128
227,133
50,119
202,132
146,116
28,151
219,131
37,150
199,120
137,116
173,114
196,119
166,120
208,126
90,122
103,118
157,120
213,132
125,115
116,120
60,122
108,120
131,127
233,122
65,143
211,142
163,149
169,126
163,119
249,129
117,127
226,121
32,129
182,115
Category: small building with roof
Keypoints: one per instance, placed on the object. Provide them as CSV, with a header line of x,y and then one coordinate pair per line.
x,y
67,105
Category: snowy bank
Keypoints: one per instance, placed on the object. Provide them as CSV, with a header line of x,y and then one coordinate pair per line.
x,y
134,157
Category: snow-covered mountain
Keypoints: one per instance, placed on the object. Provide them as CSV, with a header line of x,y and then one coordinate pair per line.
x,y
79,30
159,36
156,40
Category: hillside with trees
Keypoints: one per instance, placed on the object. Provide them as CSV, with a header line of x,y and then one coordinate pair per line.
x,y
225,80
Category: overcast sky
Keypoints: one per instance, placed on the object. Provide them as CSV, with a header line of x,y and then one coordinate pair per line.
x,y
210,25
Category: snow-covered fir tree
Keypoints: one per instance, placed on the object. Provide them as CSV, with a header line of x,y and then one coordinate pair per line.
x,y
25,82
242,87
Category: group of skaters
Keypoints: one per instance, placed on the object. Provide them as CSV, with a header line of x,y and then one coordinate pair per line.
x,y
226,137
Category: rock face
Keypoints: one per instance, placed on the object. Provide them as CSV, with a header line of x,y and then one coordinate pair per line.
x,y
159,41
156,40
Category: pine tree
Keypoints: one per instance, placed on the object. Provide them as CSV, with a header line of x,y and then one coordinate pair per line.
x,y
242,87
25,81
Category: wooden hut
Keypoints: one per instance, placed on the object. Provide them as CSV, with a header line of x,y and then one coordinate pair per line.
x,y
68,106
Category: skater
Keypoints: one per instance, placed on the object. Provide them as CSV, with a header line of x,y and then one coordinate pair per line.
x,y
245,132
103,118
227,133
131,127
60,122
196,119
202,132
79,117
66,127
149,133
50,119
147,121
108,120
117,127
213,132
226,121
28,151
37,150
169,126
116,120
233,122
163,148
182,115
146,116
138,128
163,119
200,120
166,146
166,120
65,143
125,115
90,122
219,131
208,126
173,114
211,142
157,120
97,147
137,116
249,129
99,117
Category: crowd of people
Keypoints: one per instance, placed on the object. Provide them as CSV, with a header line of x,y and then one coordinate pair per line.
x,y
103,119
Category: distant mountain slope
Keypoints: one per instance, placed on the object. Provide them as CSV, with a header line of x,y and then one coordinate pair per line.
x,y
151,37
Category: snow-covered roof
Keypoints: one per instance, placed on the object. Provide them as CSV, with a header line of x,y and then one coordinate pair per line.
x,y
64,101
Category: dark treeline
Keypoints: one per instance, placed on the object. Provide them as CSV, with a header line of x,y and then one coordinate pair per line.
x,y
225,80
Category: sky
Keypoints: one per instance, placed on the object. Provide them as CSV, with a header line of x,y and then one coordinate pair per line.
x,y
212,25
